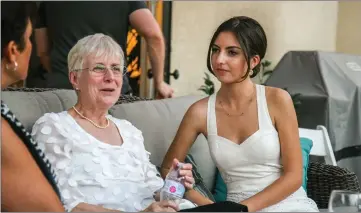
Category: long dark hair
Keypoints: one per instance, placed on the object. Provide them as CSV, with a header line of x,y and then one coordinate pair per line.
x,y
15,16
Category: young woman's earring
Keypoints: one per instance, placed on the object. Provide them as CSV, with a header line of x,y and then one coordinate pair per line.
x,y
251,72
12,69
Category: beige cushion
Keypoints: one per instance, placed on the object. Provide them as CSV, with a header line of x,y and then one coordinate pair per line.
x,y
30,106
159,121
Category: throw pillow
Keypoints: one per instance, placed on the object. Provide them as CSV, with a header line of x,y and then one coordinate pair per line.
x,y
306,146
220,188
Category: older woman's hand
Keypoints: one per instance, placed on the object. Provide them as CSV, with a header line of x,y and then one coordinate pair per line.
x,y
162,206
185,173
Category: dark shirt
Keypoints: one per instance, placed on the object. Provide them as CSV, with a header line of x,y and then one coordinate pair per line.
x,y
69,21
31,145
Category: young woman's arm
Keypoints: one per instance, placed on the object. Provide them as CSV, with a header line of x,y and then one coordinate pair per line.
x,y
291,155
191,126
23,186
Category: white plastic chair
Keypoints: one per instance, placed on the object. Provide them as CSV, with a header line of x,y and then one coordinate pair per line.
x,y
321,143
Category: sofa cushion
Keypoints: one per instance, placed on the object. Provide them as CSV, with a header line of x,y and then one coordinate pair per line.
x,y
30,106
159,121
306,146
220,188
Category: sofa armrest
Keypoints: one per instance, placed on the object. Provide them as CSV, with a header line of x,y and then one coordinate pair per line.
x,y
322,179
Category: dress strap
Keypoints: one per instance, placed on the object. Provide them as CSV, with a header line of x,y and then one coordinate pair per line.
x,y
211,115
264,118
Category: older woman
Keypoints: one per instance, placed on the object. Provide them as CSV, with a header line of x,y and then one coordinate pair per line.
x,y
27,183
100,161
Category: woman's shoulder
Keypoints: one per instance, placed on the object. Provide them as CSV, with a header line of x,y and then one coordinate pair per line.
x,y
13,131
279,101
199,108
5,127
276,95
53,124
9,117
5,111
52,117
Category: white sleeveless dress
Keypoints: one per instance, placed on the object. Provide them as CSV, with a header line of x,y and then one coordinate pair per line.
x,y
253,165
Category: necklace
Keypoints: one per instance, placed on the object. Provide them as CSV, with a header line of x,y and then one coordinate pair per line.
x,y
100,127
228,114
235,115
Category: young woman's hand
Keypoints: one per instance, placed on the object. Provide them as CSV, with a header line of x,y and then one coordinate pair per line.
x,y
185,173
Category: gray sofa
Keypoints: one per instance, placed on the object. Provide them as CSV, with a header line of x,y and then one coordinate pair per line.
x,y
159,121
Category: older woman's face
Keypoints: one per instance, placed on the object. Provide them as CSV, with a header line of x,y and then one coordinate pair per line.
x,y
101,83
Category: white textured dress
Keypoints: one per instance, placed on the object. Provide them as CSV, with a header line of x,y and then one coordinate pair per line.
x,y
253,165
93,172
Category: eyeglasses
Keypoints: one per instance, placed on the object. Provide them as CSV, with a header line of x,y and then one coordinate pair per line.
x,y
100,70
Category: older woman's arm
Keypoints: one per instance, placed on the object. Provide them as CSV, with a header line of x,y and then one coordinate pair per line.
x,y
163,206
57,148
53,138
23,187
291,179
85,207
152,176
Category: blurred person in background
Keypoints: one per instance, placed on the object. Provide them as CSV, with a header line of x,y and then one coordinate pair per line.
x,y
62,24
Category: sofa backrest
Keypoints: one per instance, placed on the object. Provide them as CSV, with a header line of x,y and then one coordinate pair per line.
x,y
157,119
30,106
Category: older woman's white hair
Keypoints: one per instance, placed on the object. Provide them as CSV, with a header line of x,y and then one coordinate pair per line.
x,y
99,45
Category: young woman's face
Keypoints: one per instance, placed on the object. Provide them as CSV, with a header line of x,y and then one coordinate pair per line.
x,y
228,61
